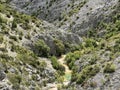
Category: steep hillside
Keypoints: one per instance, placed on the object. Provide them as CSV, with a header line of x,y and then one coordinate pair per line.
x,y
49,33
96,65
75,15
20,68
23,41
59,44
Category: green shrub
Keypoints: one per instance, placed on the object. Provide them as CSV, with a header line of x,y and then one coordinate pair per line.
x,y
109,68
117,46
72,57
42,65
60,69
1,38
2,20
14,38
5,56
74,77
87,73
59,46
41,48
14,79
93,59
28,58
90,43
14,24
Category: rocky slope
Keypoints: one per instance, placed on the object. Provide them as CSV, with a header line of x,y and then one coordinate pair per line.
x,y
22,39
20,68
87,31
75,15
96,65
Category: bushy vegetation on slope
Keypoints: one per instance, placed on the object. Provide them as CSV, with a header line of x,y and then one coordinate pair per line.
x,y
89,60
42,48
60,69
22,67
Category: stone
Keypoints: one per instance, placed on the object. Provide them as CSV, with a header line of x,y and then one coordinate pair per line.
x,y
2,75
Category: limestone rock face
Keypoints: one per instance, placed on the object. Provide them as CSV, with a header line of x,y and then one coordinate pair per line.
x,y
61,26
2,75
77,15
101,80
68,19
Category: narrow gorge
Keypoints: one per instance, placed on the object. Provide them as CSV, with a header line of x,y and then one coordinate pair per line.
x,y
59,44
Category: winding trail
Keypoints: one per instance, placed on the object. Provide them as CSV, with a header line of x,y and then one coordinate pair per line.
x,y
68,73
62,62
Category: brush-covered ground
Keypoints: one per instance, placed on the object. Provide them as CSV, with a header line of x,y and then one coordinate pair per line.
x,y
31,50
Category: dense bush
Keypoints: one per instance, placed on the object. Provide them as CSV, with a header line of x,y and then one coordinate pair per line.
x,y
60,69
109,68
15,80
41,48
90,43
14,24
59,46
93,59
87,73
72,57
26,56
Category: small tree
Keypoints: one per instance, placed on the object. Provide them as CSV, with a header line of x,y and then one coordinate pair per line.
x,y
60,48
41,48
14,24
